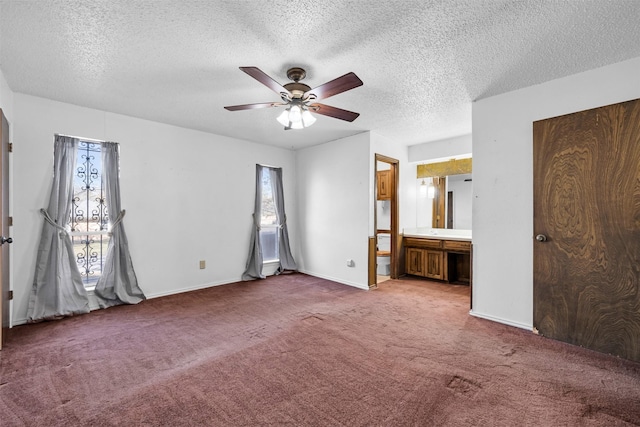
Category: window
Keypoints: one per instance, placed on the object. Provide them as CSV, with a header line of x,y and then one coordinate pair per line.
x,y
89,222
268,220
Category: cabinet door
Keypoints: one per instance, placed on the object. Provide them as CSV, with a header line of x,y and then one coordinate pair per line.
x,y
384,185
415,261
434,268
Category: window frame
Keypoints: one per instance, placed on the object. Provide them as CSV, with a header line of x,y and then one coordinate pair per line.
x,y
90,253
273,225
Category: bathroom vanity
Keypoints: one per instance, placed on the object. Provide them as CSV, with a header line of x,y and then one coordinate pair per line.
x,y
439,254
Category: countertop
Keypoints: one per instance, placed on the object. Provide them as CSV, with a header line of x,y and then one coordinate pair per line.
x,y
438,233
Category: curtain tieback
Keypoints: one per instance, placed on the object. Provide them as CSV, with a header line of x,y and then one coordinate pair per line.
x,y
256,223
117,221
283,223
50,220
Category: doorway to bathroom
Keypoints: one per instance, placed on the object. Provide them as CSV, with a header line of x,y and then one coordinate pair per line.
x,y
386,242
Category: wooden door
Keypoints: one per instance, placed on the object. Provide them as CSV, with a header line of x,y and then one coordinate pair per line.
x,y
4,229
587,228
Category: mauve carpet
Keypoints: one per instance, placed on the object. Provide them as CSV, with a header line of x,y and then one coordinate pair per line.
x,y
301,351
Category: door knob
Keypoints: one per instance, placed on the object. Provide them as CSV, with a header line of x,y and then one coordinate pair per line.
x,y
4,240
541,238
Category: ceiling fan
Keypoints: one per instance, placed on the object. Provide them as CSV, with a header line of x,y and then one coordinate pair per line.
x,y
300,99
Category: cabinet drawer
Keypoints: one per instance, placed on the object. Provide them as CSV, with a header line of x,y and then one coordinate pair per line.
x,y
457,245
413,242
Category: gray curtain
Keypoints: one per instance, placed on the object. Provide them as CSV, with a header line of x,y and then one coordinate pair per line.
x,y
286,259
255,259
253,269
118,283
57,286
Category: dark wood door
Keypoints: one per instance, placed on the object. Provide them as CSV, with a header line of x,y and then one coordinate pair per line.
x,y
587,207
4,229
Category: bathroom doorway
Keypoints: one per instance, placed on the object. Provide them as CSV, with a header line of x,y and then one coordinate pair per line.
x,y
386,242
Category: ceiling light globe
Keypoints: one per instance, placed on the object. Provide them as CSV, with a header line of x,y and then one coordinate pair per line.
x,y
307,118
284,118
295,114
297,125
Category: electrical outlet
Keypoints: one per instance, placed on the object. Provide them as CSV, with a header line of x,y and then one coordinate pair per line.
x,y
203,264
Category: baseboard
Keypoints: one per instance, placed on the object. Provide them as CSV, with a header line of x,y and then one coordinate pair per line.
x,y
93,304
333,279
501,320
193,288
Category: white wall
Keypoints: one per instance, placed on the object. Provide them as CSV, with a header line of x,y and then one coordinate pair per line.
x,y
333,207
336,200
440,149
503,181
6,98
188,195
383,214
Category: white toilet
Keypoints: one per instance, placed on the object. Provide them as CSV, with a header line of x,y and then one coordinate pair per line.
x,y
383,258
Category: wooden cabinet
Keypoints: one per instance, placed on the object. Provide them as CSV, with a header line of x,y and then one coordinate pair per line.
x,y
425,263
415,261
383,185
447,260
435,269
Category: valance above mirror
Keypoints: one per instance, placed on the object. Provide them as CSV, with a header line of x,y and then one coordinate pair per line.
x,y
450,167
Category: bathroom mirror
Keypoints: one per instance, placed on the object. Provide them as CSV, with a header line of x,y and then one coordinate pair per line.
x,y
457,193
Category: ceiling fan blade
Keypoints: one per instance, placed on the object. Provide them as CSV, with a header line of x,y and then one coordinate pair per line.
x,y
253,106
260,76
336,113
341,84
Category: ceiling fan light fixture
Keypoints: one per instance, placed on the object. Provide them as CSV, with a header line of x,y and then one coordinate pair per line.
x,y
296,117
307,118
284,118
295,114
301,99
297,125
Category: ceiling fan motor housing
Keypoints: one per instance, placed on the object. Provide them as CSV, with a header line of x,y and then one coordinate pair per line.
x,y
296,88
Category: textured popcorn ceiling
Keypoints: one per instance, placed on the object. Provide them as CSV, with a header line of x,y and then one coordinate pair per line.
x,y
422,62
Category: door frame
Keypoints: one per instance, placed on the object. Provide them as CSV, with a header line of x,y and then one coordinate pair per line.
x,y
5,223
396,241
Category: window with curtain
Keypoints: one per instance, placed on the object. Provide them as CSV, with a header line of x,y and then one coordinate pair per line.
x,y
268,220
270,236
89,219
83,242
